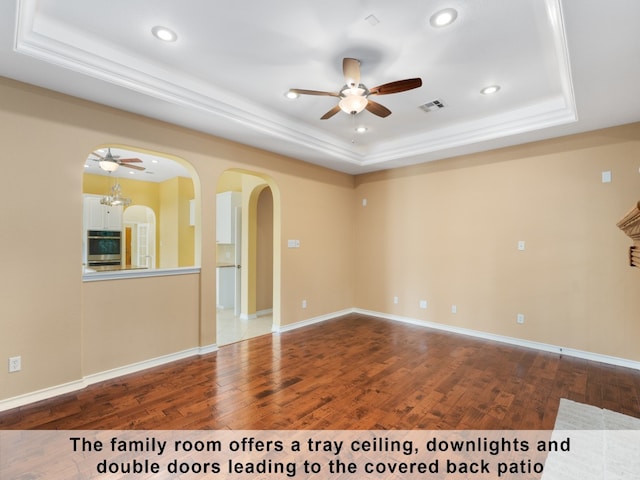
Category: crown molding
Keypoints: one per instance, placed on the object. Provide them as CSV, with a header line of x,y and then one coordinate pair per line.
x,y
41,38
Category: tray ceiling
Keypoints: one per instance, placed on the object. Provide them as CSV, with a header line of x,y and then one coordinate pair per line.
x,y
562,67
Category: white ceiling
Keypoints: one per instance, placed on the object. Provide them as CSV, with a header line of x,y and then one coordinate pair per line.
x,y
564,66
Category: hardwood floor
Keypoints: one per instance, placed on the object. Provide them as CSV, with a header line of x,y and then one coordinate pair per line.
x,y
354,372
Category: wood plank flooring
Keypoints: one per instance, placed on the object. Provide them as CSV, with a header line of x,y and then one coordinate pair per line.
x,y
354,372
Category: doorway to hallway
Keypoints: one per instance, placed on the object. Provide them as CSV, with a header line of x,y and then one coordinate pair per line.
x,y
244,259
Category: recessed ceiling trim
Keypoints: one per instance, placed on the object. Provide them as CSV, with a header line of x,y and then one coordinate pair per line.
x,y
551,113
69,57
191,93
556,16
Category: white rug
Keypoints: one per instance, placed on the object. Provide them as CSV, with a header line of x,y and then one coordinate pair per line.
x,y
603,444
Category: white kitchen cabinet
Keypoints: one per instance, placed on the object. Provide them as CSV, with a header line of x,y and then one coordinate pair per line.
x,y
101,217
226,204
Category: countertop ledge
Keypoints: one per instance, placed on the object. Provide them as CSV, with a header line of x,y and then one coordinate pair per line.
x,y
138,273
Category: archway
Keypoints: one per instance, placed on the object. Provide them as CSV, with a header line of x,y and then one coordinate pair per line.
x,y
139,225
165,184
251,262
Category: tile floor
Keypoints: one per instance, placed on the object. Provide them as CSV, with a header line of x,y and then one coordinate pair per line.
x,y
232,329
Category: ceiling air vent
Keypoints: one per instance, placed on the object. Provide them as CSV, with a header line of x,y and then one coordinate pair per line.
x,y
433,105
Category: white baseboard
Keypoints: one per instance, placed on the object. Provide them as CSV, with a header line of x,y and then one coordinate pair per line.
x,y
44,394
70,387
311,321
139,366
208,349
571,352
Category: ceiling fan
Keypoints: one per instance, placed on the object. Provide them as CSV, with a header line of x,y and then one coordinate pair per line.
x,y
110,162
354,96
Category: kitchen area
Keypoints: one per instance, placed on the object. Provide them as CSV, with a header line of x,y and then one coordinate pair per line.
x,y
138,213
115,239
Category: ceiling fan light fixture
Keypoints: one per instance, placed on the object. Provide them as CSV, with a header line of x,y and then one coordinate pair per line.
x,y
353,99
444,17
163,33
108,165
353,104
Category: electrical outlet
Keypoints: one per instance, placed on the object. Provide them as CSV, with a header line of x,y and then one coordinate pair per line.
x,y
423,304
521,245
15,364
396,300
520,318
304,304
454,309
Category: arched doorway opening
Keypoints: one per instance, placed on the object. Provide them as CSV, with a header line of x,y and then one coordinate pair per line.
x,y
247,273
139,225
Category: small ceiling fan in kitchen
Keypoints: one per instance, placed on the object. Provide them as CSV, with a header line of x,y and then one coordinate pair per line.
x,y
110,162
354,96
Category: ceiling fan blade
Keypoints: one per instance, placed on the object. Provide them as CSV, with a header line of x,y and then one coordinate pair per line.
x,y
396,87
130,160
331,113
300,91
98,155
377,109
135,167
351,70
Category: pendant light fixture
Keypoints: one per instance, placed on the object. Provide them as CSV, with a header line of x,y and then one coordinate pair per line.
x,y
115,198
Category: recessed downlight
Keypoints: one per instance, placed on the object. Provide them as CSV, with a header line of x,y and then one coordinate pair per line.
x,y
444,17
491,89
163,33
291,95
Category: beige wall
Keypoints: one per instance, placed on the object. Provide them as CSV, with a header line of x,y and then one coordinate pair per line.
x,y
44,305
447,232
130,321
